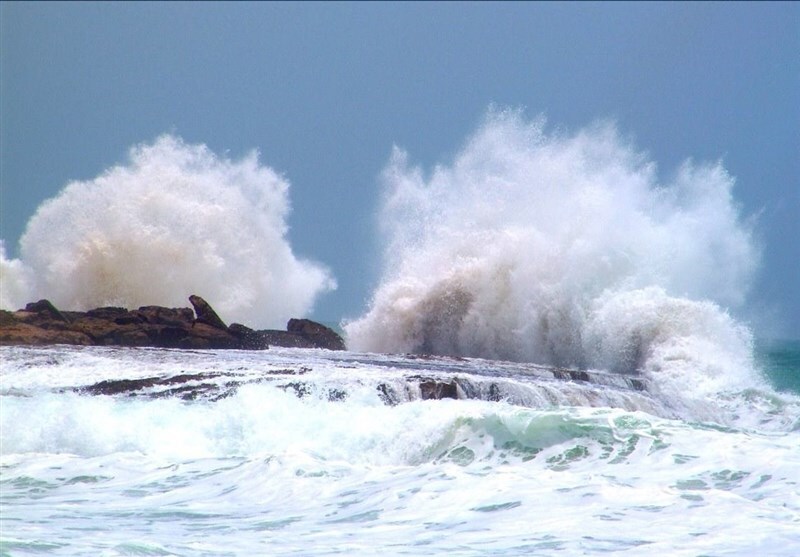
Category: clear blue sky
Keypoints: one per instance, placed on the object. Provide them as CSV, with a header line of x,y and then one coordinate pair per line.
x,y
324,91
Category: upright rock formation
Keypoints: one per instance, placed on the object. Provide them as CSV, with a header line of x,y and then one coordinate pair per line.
x,y
205,313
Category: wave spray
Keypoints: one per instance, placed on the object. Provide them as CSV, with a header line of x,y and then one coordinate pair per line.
x,y
176,220
562,249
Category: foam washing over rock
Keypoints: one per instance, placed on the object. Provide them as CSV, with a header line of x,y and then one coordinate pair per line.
x,y
564,249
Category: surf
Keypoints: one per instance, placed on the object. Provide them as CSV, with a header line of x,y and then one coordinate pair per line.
x,y
565,249
175,219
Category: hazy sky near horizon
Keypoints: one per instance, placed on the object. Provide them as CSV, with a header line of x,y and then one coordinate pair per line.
x,y
324,90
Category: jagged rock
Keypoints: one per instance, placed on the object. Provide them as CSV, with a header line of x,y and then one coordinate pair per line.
x,y
205,313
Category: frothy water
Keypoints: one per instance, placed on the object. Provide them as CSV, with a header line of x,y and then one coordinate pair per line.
x,y
175,220
658,436
265,472
564,249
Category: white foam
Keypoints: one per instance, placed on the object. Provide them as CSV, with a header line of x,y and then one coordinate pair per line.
x,y
176,220
563,249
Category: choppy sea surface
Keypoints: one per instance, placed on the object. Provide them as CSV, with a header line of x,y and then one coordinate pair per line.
x,y
310,452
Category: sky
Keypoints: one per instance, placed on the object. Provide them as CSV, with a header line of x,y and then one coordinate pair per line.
x,y
323,91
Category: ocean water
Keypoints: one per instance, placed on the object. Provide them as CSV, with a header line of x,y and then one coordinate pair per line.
x,y
579,302
361,465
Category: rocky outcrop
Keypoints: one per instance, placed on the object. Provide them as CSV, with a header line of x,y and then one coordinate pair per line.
x,y
206,314
318,334
42,323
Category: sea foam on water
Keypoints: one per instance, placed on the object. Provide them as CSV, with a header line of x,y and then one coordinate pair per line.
x,y
176,220
563,249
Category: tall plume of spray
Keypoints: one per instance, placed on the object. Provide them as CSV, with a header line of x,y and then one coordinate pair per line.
x,y
565,250
176,220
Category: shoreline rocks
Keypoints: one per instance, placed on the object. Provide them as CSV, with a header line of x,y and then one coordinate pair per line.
x,y
41,323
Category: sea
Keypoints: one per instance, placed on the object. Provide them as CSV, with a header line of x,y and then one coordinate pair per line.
x,y
314,452
559,354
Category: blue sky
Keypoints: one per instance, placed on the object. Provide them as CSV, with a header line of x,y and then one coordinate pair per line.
x,y
323,92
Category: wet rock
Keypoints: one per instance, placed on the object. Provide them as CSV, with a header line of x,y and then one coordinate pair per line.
x,y
437,390
206,314
320,335
249,339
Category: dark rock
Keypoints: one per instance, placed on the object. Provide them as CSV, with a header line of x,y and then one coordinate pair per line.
x,y
19,332
205,313
437,390
43,323
46,307
249,339
320,335
101,331
109,313
169,336
285,339
173,317
204,336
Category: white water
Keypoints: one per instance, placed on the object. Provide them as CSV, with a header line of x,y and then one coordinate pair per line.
x,y
176,220
263,472
564,249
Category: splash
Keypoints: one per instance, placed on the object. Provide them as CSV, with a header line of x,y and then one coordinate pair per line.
x,y
176,220
565,250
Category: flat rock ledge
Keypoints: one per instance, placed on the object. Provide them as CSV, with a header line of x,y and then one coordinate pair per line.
x,y
41,323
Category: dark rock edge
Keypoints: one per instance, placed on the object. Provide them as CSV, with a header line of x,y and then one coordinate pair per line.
x,y
41,323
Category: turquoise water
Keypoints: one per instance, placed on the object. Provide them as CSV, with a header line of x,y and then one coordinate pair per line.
x,y
780,362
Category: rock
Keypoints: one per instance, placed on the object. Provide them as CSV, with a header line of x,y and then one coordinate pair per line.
x,y
173,317
320,335
43,323
15,331
249,339
46,307
204,336
437,390
101,331
206,314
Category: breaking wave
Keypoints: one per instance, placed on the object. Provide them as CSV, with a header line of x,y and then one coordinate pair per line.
x,y
176,220
565,250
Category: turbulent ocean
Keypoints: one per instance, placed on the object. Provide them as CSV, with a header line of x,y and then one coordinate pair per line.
x,y
559,357
311,452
